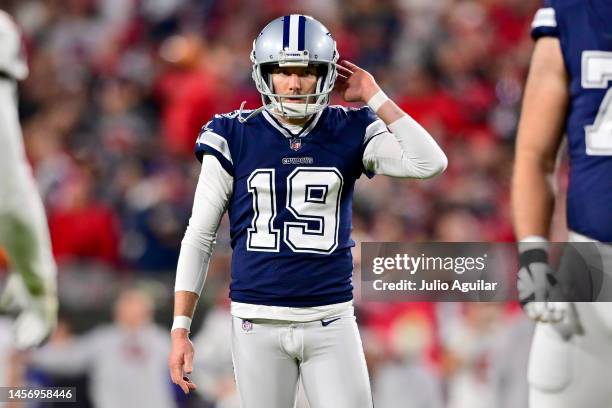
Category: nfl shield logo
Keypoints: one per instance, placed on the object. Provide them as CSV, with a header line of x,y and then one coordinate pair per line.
x,y
247,325
295,144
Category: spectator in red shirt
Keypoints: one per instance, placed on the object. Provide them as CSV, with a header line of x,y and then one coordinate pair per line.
x,y
80,227
186,93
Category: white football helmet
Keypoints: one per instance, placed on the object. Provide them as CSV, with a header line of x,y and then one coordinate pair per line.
x,y
294,41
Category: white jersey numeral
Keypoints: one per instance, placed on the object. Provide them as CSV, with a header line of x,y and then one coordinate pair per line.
x,y
313,198
313,194
596,73
262,236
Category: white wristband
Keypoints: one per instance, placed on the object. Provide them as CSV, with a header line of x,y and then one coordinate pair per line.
x,y
181,322
377,100
534,238
533,242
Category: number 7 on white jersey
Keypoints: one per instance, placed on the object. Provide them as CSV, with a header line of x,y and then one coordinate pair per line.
x,y
596,73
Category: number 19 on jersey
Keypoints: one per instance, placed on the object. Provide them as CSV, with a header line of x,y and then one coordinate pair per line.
x,y
313,199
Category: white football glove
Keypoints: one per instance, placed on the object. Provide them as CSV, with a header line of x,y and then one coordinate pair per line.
x,y
37,317
538,289
15,295
35,323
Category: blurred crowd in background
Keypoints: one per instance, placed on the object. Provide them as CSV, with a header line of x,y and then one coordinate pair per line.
x,y
117,92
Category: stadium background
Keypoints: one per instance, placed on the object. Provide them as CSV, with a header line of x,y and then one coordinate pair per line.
x,y
117,92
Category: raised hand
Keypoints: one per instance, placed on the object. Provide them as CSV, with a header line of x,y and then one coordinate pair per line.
x,y
355,84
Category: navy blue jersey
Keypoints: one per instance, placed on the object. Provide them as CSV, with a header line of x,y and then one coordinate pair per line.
x,y
290,210
584,30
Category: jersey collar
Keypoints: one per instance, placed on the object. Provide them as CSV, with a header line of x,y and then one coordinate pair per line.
x,y
308,127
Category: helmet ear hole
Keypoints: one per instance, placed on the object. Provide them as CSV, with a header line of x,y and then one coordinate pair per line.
x,y
266,74
322,72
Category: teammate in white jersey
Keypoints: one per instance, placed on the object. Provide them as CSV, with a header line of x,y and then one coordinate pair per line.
x,y
23,225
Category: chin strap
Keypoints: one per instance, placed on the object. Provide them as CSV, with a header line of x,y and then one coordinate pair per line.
x,y
289,110
298,110
250,115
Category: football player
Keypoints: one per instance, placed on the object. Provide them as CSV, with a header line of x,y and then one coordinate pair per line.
x,y
567,92
23,224
286,173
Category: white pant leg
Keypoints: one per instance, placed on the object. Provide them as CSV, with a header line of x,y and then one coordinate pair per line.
x,y
575,372
572,373
301,401
25,236
23,225
333,369
265,356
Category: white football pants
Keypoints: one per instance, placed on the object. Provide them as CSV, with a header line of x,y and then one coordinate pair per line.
x,y
270,356
576,372
23,224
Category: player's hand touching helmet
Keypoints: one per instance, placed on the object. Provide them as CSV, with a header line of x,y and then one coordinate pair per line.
x,y
354,83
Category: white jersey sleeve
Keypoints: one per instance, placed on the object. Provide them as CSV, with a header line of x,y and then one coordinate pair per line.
x,y
407,151
212,196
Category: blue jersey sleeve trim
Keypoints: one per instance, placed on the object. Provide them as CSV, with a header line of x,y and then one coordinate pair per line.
x,y
369,174
213,143
217,142
202,149
373,126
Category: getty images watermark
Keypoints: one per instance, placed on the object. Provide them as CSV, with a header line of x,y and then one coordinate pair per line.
x,y
426,264
472,271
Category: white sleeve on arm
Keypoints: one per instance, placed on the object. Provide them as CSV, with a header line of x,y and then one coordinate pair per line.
x,y
211,197
408,151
